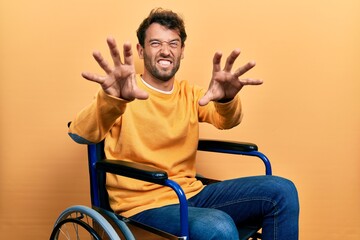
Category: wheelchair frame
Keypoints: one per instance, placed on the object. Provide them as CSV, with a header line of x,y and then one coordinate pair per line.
x,y
99,166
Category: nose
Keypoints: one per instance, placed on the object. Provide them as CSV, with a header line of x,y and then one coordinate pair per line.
x,y
165,49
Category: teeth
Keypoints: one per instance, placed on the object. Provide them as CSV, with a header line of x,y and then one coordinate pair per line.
x,y
164,63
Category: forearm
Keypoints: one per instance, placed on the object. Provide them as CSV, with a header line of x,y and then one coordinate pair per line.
x,y
93,122
229,113
223,115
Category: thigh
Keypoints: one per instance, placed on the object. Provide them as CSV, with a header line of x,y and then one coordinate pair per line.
x,y
247,200
204,224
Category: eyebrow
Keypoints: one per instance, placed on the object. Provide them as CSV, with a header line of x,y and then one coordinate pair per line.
x,y
173,40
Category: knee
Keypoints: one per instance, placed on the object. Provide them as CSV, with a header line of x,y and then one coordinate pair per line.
x,y
217,225
284,185
286,193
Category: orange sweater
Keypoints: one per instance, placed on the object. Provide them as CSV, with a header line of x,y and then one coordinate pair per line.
x,y
161,131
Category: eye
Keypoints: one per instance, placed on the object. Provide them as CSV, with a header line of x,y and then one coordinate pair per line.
x,y
174,44
155,44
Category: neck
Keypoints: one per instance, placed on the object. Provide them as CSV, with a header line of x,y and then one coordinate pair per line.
x,y
158,84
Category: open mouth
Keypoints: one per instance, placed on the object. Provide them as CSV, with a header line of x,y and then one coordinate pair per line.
x,y
164,63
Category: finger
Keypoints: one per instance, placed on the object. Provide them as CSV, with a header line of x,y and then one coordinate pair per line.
x,y
209,96
128,56
93,77
204,101
141,94
216,62
114,51
250,81
102,62
231,59
240,71
131,91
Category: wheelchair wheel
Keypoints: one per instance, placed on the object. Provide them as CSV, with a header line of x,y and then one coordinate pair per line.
x,y
80,222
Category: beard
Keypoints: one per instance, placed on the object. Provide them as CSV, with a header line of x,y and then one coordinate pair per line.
x,y
159,72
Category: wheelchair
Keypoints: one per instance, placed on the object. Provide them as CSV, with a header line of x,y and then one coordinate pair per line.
x,y
100,222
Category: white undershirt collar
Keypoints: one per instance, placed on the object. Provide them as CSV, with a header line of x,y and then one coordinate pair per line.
x,y
157,90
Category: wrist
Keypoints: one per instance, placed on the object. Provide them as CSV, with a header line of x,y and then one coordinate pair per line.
x,y
224,100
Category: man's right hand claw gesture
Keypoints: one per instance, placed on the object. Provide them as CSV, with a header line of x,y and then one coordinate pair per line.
x,y
120,80
225,84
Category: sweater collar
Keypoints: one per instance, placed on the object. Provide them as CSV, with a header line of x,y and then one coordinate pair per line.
x,y
155,89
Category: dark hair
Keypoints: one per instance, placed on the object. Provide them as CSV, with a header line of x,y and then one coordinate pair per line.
x,y
166,18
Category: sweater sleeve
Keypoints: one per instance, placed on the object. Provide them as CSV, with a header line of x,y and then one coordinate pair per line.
x,y
222,115
93,122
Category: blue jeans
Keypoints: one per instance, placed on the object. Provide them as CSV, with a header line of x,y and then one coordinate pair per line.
x,y
266,202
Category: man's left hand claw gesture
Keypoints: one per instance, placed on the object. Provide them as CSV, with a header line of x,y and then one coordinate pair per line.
x,y
224,84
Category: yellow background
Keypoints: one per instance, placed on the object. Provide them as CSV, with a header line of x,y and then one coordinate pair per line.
x,y
306,116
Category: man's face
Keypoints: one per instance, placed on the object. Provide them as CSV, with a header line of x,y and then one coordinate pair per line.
x,y
162,52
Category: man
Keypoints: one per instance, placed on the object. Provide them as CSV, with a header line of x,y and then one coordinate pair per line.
x,y
154,119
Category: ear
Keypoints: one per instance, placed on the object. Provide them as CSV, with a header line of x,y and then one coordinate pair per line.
x,y
182,51
140,50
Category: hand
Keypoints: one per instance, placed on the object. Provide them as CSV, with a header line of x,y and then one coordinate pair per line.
x,y
120,80
224,85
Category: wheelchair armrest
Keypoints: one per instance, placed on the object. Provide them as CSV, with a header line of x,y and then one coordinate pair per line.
x,y
240,148
133,170
149,174
226,146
